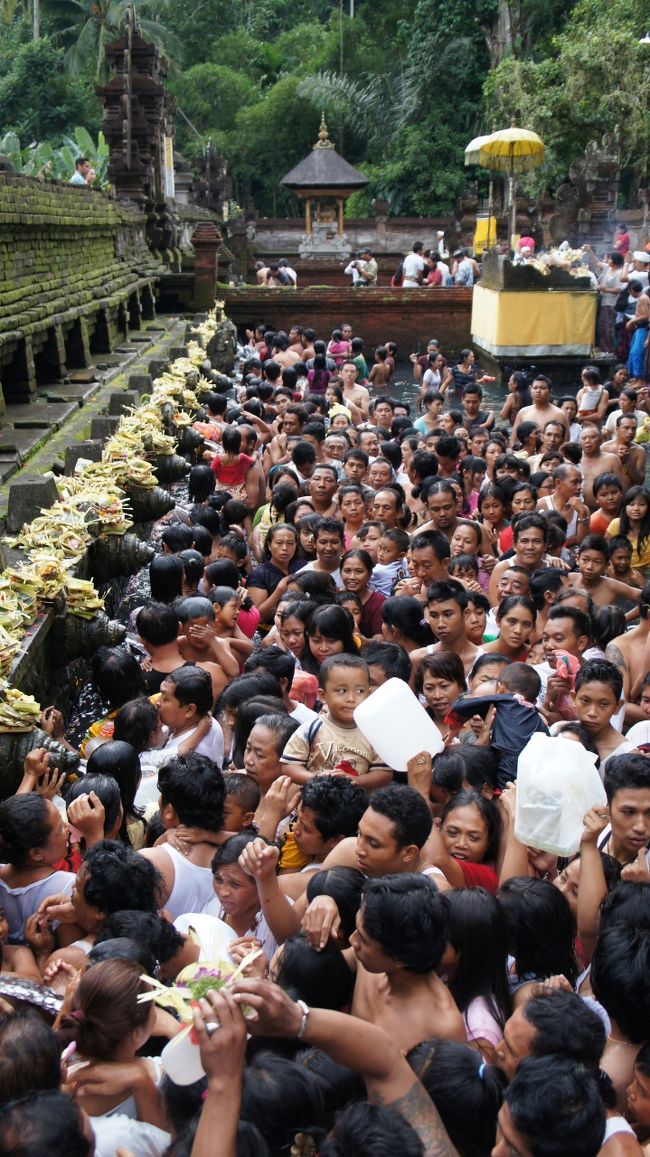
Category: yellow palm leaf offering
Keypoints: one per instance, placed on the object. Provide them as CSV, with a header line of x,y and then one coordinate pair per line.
x,y
50,574
18,593
193,982
81,598
184,366
93,502
60,530
18,712
195,353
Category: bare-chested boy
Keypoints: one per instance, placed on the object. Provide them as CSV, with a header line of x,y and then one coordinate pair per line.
x,y
630,653
593,556
352,391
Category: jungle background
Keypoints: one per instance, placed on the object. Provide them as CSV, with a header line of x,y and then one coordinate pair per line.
x,y
404,84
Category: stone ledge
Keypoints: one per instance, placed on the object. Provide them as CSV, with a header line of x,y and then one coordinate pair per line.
x,y
414,315
32,415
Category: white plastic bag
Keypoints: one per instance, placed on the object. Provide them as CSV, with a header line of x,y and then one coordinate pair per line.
x,y
557,783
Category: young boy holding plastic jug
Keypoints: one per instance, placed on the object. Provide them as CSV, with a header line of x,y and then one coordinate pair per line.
x,y
333,744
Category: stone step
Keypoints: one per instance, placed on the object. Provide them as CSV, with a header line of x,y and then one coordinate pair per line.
x,y
22,441
50,415
70,392
108,362
89,374
9,464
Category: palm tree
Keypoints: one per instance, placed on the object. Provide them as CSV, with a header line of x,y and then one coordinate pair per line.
x,y
375,106
95,23
9,8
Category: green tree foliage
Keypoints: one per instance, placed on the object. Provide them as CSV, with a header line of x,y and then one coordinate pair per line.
x,y
267,136
94,23
38,100
596,80
211,95
411,120
405,84
44,161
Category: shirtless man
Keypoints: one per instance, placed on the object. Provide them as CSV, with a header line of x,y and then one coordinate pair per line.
x,y
281,352
380,372
392,833
542,409
352,392
631,654
308,338
398,944
295,341
595,462
447,603
277,451
630,456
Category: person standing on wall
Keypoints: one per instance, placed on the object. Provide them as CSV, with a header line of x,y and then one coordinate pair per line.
x,y
413,268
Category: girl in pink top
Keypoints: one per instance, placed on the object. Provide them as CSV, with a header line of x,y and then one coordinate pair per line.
x,y
338,349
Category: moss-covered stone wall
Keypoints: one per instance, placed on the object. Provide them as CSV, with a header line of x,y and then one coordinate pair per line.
x,y
74,270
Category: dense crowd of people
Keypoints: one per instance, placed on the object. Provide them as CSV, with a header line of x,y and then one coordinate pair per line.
x,y
407,975
619,277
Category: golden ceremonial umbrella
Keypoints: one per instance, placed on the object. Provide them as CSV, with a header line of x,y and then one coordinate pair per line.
x,y
473,150
511,151
473,157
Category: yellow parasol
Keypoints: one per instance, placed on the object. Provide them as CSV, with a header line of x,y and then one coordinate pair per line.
x,y
511,151
473,157
473,150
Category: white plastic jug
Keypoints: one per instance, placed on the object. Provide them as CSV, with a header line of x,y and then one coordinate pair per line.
x,y
181,1059
557,784
394,721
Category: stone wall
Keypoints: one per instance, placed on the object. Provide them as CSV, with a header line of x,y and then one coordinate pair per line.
x,y
394,235
408,316
74,271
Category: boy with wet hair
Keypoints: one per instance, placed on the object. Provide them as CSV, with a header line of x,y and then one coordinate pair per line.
x,y
598,696
398,943
593,557
241,802
620,562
